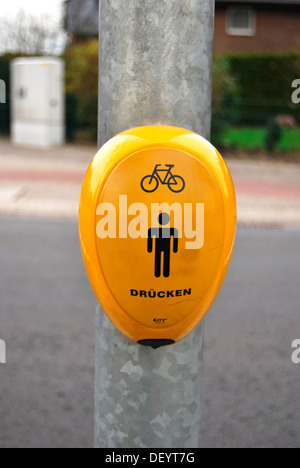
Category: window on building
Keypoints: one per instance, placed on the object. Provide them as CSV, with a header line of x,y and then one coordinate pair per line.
x,y
241,22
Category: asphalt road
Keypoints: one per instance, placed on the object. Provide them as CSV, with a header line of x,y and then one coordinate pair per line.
x,y
251,388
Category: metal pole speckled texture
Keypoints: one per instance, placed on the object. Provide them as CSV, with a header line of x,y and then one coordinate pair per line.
x,y
155,68
147,398
155,64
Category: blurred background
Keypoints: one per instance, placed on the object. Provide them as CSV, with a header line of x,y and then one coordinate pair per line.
x,y
251,386
256,62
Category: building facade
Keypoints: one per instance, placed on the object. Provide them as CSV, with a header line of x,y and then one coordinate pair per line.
x,y
240,25
257,26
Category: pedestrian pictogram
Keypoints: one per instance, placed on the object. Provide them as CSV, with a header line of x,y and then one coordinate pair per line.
x,y
150,183
162,245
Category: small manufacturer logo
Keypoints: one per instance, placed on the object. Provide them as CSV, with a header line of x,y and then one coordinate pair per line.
x,y
2,352
158,320
151,182
2,92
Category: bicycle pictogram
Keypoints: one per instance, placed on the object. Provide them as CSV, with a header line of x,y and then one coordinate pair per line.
x,y
175,183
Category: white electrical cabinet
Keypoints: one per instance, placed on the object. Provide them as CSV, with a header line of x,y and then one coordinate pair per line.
x,y
38,110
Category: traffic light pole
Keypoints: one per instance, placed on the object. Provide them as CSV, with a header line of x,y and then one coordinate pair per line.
x,y
155,68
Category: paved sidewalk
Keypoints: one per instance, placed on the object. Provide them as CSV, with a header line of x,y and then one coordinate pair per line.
x,y
42,183
47,184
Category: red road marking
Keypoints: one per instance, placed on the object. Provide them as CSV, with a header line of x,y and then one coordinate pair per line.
x,y
267,189
243,187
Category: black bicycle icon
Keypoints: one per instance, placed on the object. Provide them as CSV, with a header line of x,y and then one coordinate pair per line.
x,y
150,183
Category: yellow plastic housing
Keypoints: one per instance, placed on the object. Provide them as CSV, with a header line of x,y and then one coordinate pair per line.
x,y
157,222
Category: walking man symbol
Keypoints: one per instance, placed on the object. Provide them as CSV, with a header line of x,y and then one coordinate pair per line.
x,y
162,245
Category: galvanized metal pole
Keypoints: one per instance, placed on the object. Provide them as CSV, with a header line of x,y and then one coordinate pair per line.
x,y
155,68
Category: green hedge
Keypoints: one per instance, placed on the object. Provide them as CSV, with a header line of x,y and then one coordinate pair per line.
x,y
82,85
265,76
224,95
264,85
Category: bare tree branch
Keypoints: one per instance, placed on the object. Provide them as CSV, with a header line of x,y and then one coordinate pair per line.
x,y
31,35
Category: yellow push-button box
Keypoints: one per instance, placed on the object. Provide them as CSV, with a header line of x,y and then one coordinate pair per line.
x,y
157,227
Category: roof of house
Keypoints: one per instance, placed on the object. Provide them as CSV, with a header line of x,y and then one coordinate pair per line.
x,y
82,17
